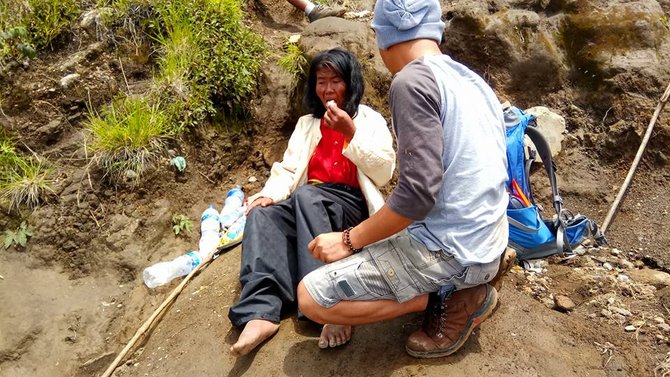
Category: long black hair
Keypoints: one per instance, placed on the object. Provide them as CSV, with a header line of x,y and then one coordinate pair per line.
x,y
345,64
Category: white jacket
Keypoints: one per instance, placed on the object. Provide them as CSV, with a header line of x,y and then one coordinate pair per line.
x,y
371,149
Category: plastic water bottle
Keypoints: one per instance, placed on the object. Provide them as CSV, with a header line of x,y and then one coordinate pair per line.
x,y
163,272
209,231
233,208
235,231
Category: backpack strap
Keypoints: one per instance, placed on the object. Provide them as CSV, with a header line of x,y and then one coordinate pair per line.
x,y
543,149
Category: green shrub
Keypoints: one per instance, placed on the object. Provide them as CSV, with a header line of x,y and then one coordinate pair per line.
x,y
209,56
127,137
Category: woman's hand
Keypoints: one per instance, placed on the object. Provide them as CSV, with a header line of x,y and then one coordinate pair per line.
x,y
338,120
260,201
328,247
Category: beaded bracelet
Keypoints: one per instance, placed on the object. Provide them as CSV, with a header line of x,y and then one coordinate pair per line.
x,y
347,241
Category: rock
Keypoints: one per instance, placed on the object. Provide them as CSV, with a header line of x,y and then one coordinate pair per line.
x,y
622,277
563,304
615,252
91,19
659,320
663,327
50,132
68,80
253,179
621,311
630,328
638,323
551,126
607,266
658,279
606,313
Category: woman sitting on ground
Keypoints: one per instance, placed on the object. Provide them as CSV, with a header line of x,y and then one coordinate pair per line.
x,y
337,158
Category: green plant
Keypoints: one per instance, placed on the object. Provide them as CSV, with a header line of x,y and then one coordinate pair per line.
x,y
208,56
19,237
27,183
23,180
294,62
128,136
181,222
15,42
49,18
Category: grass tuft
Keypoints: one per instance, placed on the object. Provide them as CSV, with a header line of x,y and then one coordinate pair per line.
x,y
127,137
24,181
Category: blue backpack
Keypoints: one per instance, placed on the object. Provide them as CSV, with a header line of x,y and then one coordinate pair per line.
x,y
529,234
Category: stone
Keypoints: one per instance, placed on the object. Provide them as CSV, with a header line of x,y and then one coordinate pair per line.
x,y
663,327
621,311
659,320
630,328
68,80
606,313
648,276
563,304
551,126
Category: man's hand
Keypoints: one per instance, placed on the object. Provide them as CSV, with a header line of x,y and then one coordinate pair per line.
x,y
338,120
261,201
328,247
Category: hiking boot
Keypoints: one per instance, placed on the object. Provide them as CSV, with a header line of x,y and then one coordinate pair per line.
x,y
507,261
447,326
322,11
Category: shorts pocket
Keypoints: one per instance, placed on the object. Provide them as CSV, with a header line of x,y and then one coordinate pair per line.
x,y
481,273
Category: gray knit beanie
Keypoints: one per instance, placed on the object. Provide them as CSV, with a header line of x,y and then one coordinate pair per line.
x,y
397,21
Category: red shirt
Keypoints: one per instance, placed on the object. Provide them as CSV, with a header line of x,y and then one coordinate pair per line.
x,y
328,164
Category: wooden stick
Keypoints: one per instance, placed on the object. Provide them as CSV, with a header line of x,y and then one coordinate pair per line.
x,y
148,324
636,161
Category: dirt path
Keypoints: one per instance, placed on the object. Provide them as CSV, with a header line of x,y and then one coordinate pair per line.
x,y
523,338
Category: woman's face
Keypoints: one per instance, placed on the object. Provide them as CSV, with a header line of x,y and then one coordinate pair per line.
x,y
330,86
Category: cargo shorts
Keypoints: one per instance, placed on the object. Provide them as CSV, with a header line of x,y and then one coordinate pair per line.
x,y
398,268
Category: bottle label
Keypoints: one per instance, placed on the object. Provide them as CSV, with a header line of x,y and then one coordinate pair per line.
x,y
207,216
195,259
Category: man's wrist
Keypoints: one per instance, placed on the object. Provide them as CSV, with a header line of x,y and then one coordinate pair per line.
x,y
346,239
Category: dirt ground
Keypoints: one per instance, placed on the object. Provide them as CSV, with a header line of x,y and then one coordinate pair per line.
x,y
75,297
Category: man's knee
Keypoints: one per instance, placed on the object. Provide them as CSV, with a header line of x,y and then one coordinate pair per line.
x,y
308,306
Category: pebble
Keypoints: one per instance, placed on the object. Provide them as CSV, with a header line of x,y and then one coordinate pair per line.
x,y
638,323
252,179
622,277
563,303
608,266
68,80
618,317
615,252
659,320
664,327
630,328
606,313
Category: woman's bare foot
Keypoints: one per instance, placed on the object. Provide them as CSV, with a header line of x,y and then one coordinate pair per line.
x,y
254,333
334,335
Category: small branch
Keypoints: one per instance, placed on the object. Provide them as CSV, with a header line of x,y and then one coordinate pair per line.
x,y
124,76
206,177
94,219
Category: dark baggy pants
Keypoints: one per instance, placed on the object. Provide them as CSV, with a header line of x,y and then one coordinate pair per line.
x,y
274,248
